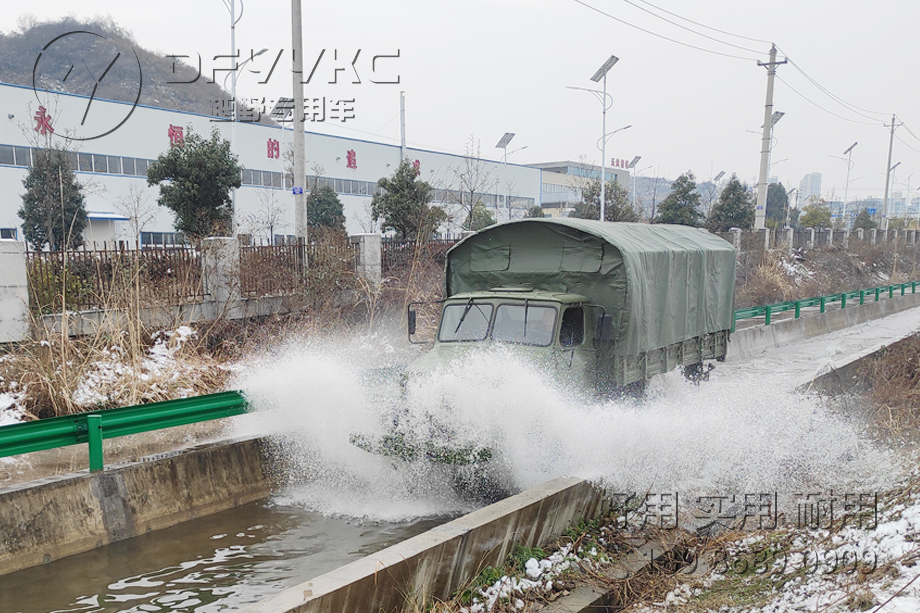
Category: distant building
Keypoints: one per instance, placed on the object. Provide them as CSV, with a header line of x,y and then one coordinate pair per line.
x,y
562,182
809,186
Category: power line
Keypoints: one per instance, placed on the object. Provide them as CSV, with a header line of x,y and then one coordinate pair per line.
x,y
905,143
703,25
906,127
691,30
655,34
848,105
809,100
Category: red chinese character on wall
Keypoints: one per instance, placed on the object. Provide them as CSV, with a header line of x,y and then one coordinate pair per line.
x,y
351,159
176,136
43,121
274,149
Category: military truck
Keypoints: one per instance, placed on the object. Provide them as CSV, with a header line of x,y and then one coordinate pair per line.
x,y
604,306
608,304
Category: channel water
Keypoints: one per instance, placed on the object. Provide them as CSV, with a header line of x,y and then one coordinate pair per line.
x,y
216,563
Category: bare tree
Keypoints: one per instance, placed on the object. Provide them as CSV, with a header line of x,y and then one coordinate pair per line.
x,y
269,218
137,208
469,182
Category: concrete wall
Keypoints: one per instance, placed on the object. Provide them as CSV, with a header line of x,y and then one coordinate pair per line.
x,y
751,342
14,292
44,520
438,562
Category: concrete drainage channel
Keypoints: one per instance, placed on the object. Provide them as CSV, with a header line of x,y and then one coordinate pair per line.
x,y
57,517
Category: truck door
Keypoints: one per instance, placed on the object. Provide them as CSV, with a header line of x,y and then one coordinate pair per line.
x,y
575,357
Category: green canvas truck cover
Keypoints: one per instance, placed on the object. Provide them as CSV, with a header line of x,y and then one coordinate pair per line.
x,y
661,283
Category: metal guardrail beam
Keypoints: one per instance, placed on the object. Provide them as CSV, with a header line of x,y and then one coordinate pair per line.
x,y
768,310
95,426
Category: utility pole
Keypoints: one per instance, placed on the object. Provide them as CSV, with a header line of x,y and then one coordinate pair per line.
x,y
300,154
888,176
761,210
402,126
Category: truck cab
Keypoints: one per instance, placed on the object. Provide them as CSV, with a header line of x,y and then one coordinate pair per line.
x,y
557,331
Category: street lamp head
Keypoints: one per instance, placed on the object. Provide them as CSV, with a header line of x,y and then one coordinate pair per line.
x,y
603,69
260,52
850,148
777,115
720,175
505,140
895,166
634,161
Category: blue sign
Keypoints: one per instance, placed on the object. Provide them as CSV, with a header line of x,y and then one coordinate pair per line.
x,y
871,211
298,190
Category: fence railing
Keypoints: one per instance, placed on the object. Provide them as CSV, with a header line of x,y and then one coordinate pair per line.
x,y
271,270
92,428
874,294
398,255
96,279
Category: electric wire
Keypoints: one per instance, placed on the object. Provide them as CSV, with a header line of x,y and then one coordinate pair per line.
x,y
903,142
657,35
830,112
703,25
691,30
849,106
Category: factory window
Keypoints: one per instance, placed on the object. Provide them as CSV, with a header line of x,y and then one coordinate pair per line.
x,y
23,156
6,155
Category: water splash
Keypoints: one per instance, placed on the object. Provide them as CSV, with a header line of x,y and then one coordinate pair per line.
x,y
737,433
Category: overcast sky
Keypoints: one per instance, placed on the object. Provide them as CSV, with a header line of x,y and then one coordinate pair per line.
x,y
485,67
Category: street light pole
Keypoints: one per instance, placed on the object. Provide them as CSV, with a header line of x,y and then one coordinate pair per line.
x,y
602,74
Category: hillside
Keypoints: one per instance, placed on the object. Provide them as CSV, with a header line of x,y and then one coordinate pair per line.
x,y
19,50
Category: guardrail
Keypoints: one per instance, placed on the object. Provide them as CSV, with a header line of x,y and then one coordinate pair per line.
x,y
875,293
95,426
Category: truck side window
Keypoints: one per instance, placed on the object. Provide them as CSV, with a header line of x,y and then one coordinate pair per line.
x,y
572,330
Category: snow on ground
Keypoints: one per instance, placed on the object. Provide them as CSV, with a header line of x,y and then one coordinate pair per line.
x,y
103,375
853,569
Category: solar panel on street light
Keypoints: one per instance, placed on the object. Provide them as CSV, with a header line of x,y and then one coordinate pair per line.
x,y
850,148
603,69
505,140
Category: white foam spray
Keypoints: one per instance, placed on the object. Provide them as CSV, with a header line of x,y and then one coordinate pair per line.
x,y
737,433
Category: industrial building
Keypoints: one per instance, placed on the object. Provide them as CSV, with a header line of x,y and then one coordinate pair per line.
x,y
122,207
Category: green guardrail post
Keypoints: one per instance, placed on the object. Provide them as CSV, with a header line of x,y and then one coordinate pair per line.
x,y
843,301
877,290
862,296
798,309
766,319
822,303
891,291
94,434
902,288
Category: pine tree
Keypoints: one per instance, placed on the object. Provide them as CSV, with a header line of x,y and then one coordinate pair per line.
x,y
682,206
404,205
735,208
195,180
324,209
616,202
53,209
864,220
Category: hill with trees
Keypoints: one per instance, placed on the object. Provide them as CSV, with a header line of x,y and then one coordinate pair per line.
x,y
19,50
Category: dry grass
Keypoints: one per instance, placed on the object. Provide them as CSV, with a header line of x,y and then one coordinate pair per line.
x,y
894,390
777,277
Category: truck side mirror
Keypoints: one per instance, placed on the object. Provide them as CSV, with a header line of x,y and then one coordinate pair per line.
x,y
411,318
604,325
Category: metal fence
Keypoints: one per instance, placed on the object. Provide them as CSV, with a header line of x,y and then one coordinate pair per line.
x,y
397,255
106,278
278,270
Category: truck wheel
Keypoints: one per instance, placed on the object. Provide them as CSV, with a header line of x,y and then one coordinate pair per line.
x,y
697,372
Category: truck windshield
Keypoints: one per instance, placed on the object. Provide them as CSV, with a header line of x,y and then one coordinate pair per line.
x,y
465,322
510,324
